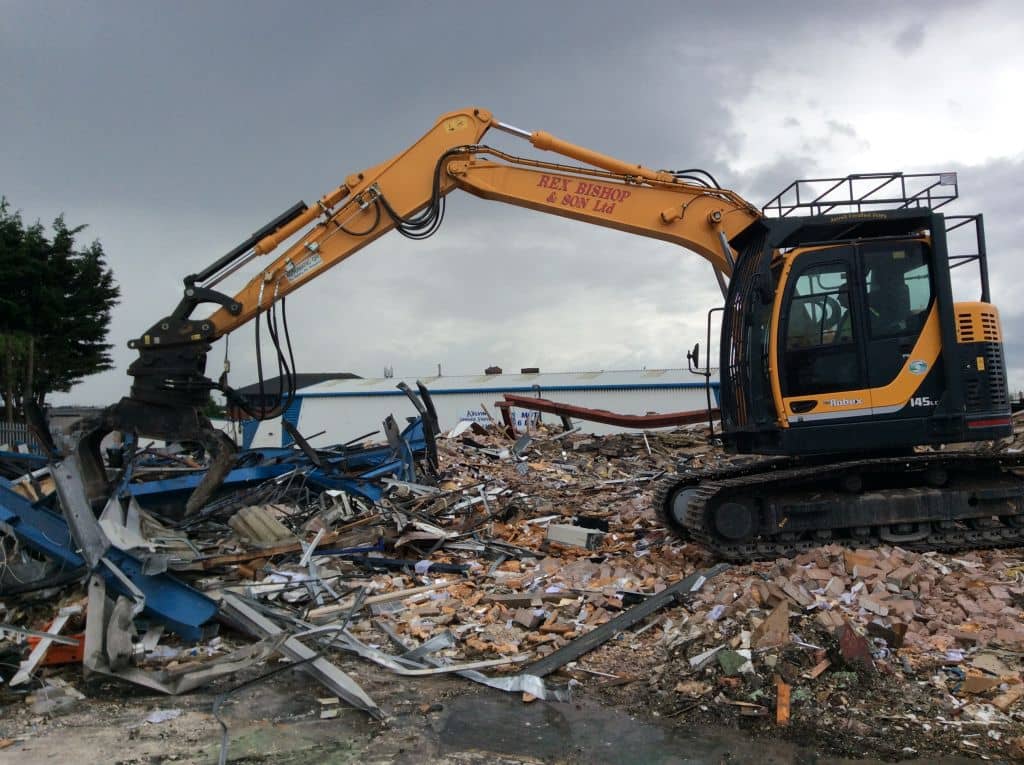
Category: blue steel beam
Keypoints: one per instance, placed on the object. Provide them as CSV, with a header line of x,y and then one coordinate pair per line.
x,y
168,600
373,462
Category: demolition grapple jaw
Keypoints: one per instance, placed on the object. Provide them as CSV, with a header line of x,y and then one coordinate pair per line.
x,y
168,393
166,423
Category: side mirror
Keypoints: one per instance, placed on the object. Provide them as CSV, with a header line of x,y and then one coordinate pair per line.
x,y
693,357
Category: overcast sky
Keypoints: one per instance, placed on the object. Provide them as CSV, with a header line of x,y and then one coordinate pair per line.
x,y
176,129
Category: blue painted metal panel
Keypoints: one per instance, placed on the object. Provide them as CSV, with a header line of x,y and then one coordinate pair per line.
x,y
32,461
168,600
186,483
368,464
39,528
291,414
249,428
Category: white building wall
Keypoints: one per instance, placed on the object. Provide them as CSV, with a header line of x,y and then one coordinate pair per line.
x,y
346,409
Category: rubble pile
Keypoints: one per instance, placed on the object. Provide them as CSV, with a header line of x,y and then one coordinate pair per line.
x,y
531,564
859,641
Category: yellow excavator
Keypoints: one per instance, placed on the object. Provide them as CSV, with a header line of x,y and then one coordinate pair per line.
x,y
842,349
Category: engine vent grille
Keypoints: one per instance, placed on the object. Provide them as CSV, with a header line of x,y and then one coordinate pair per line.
x,y
986,390
997,388
977,327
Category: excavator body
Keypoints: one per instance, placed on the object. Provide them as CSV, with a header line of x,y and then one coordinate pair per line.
x,y
846,360
841,335
843,352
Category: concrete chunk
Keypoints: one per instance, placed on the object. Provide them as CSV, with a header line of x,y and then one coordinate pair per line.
x,y
527,617
873,605
575,535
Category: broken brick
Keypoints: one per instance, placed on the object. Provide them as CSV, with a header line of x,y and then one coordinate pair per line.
x,y
854,647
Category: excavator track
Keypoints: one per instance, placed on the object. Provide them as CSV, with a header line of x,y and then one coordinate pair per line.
x,y
780,507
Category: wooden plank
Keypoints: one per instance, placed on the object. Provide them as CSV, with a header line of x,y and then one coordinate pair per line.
x,y
327,613
818,668
281,549
782,689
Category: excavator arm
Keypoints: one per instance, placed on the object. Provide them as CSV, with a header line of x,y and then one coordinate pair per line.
x,y
405,193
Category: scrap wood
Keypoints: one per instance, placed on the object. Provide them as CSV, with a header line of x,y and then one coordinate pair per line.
x,y
782,689
617,681
817,669
325,614
1004,701
743,705
625,620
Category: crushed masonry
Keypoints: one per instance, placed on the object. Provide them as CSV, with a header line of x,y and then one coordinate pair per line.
x,y
528,563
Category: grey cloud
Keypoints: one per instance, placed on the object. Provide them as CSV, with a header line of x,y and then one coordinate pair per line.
x,y
175,130
770,179
841,128
910,38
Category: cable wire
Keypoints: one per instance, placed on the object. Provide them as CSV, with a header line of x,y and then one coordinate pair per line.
x,y
688,174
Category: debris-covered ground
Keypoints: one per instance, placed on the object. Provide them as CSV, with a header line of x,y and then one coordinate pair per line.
x,y
533,565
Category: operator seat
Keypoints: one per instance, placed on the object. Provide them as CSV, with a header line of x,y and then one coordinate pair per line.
x,y
890,306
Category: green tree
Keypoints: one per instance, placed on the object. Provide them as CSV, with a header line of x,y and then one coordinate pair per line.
x,y
214,409
55,305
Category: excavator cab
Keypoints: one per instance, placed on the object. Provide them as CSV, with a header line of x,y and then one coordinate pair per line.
x,y
843,352
841,333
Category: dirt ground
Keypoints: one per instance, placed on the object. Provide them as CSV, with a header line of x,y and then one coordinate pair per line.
x,y
451,720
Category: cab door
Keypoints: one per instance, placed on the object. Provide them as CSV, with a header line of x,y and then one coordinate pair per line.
x,y
821,355
898,297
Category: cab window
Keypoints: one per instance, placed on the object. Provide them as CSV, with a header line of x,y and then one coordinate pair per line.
x,y
819,312
899,289
820,352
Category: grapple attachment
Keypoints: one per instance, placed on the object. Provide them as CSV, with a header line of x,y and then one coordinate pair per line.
x,y
176,423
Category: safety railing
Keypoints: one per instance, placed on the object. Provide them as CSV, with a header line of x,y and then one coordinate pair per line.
x,y
863,192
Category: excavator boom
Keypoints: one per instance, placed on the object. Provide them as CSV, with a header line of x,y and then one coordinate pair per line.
x,y
405,193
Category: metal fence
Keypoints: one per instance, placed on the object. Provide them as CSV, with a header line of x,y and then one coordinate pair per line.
x,y
12,434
